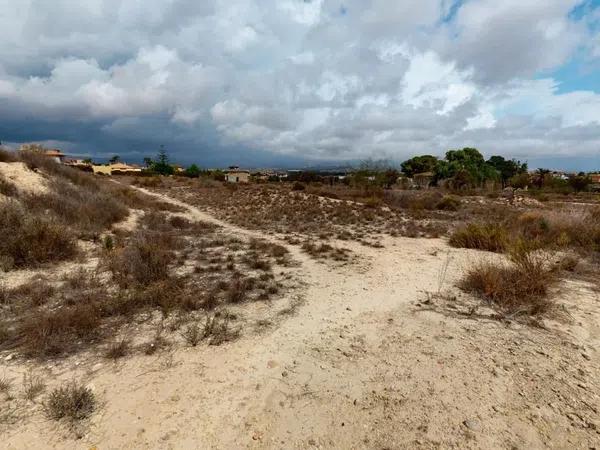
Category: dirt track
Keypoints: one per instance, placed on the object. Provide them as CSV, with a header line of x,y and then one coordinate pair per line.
x,y
364,361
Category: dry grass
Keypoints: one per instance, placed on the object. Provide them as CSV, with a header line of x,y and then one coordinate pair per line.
x,y
557,229
521,287
318,211
29,240
140,273
71,402
118,349
217,329
33,385
489,236
52,333
192,334
145,259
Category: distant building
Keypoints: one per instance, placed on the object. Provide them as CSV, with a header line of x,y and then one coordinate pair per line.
x,y
236,175
52,153
423,180
116,169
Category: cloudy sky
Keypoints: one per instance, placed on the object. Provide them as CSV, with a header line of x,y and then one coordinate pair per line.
x,y
287,82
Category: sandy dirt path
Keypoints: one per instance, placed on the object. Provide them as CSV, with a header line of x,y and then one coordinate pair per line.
x,y
366,361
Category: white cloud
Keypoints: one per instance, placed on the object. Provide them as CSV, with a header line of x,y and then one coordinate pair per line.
x,y
312,78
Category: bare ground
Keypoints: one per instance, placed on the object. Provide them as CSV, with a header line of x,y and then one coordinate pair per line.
x,y
366,356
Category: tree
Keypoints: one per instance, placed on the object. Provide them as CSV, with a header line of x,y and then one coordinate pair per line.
x,y
115,159
161,164
507,168
88,161
469,167
148,162
419,164
193,171
520,181
579,182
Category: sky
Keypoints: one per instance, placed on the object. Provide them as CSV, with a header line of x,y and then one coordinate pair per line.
x,y
303,82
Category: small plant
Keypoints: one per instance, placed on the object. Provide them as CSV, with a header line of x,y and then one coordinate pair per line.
x,y
521,287
33,385
71,401
217,331
192,334
238,290
118,349
108,243
5,384
298,186
158,341
491,237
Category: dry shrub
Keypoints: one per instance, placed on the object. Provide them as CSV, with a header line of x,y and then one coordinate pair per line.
x,y
217,329
118,349
238,289
520,287
52,333
72,401
29,239
192,334
144,260
7,188
148,182
34,293
86,211
421,200
297,186
6,156
491,237
33,385
449,203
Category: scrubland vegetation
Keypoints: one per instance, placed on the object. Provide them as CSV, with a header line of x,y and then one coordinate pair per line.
x,y
111,272
179,280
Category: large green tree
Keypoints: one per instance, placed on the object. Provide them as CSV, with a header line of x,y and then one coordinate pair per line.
x,y
419,164
468,167
507,168
161,165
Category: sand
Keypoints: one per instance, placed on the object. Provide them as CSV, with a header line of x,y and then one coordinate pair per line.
x,y
25,180
371,358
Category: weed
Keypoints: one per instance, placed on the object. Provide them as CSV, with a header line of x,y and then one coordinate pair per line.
x,y
33,385
118,349
72,401
490,237
217,330
520,287
5,384
192,334
29,240
238,290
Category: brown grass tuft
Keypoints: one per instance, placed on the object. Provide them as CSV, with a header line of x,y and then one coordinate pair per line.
x,y
490,237
29,240
71,401
520,287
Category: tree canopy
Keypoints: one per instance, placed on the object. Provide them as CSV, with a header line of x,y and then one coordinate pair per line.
x,y
419,164
465,167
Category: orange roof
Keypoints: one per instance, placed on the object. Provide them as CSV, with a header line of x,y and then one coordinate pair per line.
x,y
54,152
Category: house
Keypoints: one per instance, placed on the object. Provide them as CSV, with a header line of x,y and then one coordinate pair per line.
x,y
422,180
116,169
595,178
236,175
123,168
53,153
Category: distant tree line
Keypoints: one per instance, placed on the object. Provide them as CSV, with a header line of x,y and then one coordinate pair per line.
x,y
465,168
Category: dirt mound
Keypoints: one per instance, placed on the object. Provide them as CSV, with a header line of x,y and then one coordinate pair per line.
x,y
23,178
